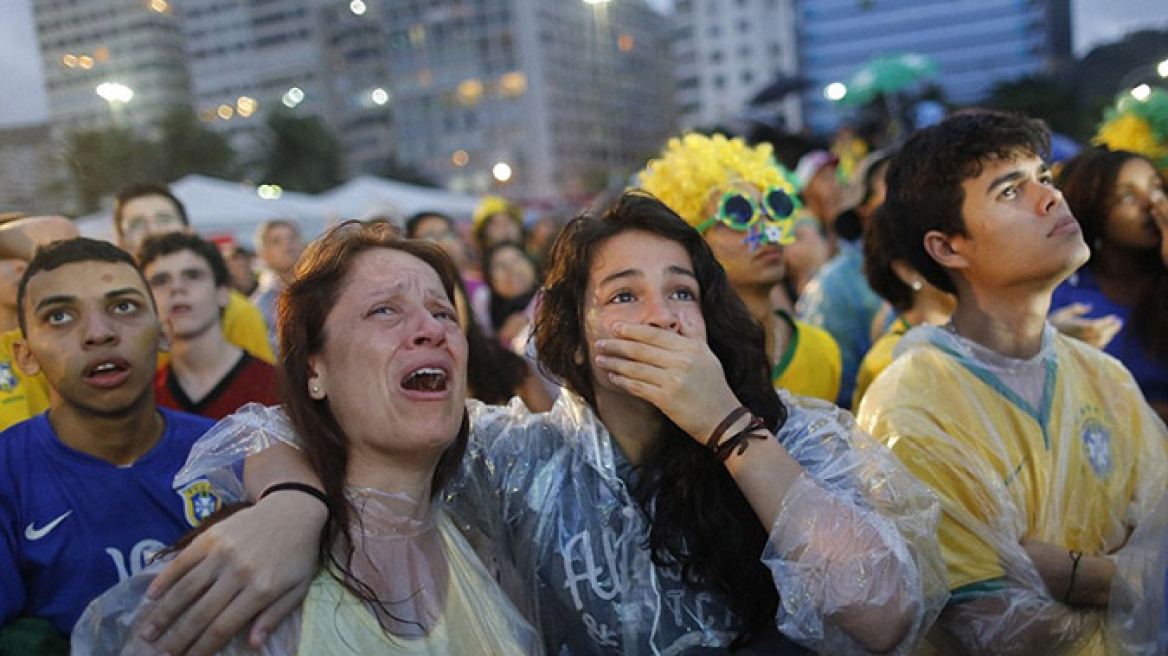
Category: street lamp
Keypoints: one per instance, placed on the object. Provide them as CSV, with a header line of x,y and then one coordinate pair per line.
x,y
117,95
835,91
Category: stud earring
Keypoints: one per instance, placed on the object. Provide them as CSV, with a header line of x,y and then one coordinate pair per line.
x,y
917,285
315,389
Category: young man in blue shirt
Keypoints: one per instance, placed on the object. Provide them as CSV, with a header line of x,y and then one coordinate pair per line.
x,y
85,489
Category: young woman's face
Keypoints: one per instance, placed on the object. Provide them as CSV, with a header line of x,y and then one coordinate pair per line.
x,y
639,277
511,271
1138,188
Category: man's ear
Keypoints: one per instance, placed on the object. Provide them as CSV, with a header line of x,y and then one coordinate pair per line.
x,y
25,358
222,296
946,250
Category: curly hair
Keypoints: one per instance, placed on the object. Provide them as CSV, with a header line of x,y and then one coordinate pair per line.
x,y
700,520
694,166
924,180
320,276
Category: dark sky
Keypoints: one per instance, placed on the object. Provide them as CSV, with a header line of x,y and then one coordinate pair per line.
x,y
23,99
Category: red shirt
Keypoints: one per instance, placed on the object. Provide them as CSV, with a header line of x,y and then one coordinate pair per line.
x,y
250,380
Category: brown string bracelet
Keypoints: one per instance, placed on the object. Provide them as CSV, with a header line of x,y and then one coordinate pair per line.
x,y
738,442
716,436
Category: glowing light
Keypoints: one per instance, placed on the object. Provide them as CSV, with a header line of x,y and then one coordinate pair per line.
x,y
114,92
69,61
246,106
379,96
1142,92
513,83
460,158
85,61
160,6
501,171
225,112
269,191
835,91
625,43
293,97
470,91
357,7
1162,68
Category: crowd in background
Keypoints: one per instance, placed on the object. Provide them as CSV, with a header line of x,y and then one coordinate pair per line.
x,y
957,301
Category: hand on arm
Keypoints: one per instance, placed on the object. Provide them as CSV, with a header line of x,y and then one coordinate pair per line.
x,y
256,564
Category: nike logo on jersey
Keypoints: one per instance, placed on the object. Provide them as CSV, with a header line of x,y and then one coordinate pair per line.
x,y
37,533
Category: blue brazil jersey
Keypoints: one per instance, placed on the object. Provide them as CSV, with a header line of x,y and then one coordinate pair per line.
x,y
72,525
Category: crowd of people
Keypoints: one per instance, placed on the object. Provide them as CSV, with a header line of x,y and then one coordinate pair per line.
x,y
916,407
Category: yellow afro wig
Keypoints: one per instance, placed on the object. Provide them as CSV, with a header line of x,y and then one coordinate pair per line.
x,y
694,167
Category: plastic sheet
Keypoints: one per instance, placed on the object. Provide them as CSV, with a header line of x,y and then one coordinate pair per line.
x,y
551,489
435,596
1059,448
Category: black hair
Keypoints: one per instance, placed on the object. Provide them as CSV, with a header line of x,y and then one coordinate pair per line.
x,y
880,251
157,246
141,190
71,251
415,220
700,521
1088,185
924,180
499,308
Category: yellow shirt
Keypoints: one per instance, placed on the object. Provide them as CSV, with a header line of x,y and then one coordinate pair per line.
x,y
478,618
1076,471
811,364
243,326
877,359
21,396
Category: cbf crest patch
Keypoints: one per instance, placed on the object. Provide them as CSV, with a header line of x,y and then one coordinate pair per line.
x,y
8,379
1096,446
199,501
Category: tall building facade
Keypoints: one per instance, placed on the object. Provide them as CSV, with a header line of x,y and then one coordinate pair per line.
x,y
305,57
975,43
538,100
726,52
110,62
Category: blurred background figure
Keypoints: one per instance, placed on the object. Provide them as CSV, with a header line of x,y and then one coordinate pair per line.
x,y
913,300
1117,195
278,245
241,268
22,396
511,277
441,229
497,220
145,209
838,298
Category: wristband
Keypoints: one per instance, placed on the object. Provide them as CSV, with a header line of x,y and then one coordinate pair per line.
x,y
1076,556
716,436
298,487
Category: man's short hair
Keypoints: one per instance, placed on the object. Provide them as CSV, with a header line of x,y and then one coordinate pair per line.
x,y
141,190
158,246
264,228
924,179
415,220
70,251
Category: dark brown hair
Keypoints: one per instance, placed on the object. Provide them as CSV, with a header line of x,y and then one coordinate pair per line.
x,y
1088,183
320,276
699,520
141,190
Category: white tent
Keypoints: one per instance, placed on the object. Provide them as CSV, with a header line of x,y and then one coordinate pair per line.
x,y
221,208
367,195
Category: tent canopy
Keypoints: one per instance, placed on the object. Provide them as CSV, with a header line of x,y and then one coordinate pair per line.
x,y
231,210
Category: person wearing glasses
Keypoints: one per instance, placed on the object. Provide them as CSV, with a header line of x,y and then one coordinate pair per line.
x,y
741,202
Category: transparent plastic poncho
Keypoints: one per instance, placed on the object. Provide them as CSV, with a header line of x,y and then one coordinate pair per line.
x,y
855,529
540,499
435,595
1060,448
